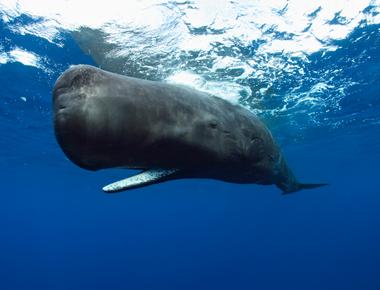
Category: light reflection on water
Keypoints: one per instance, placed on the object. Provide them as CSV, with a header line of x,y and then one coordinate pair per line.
x,y
291,62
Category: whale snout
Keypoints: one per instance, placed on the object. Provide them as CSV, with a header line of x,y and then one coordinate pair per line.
x,y
80,119
74,78
73,87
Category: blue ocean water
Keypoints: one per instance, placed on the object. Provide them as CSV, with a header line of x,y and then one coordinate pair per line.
x,y
58,230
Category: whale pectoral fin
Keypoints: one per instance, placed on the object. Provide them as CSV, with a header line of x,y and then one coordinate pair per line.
x,y
144,178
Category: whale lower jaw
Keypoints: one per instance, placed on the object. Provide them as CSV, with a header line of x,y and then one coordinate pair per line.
x,y
144,178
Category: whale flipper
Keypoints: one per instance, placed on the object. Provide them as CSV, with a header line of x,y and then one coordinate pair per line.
x,y
144,178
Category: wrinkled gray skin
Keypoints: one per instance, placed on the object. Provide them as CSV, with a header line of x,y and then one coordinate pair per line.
x,y
104,120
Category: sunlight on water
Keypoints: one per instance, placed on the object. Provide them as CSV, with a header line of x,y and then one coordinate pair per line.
x,y
25,57
256,53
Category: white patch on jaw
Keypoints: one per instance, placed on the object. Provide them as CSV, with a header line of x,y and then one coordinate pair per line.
x,y
146,177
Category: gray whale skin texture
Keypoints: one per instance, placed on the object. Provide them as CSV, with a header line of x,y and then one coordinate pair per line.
x,y
105,120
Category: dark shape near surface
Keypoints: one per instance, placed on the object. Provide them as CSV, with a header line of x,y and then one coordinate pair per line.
x,y
105,120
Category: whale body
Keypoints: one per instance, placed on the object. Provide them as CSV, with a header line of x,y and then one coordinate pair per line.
x,y
105,120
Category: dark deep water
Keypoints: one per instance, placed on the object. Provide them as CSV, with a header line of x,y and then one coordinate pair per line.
x,y
59,231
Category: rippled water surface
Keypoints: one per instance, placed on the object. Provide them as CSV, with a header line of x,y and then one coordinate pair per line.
x,y
309,69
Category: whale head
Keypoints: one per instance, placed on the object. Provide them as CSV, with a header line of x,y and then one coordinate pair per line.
x,y
80,118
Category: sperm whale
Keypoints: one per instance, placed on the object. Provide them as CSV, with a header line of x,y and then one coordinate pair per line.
x,y
105,120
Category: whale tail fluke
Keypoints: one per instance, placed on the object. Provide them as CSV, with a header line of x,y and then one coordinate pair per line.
x,y
288,183
299,186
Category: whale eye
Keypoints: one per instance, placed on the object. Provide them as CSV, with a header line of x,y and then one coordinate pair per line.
x,y
213,125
